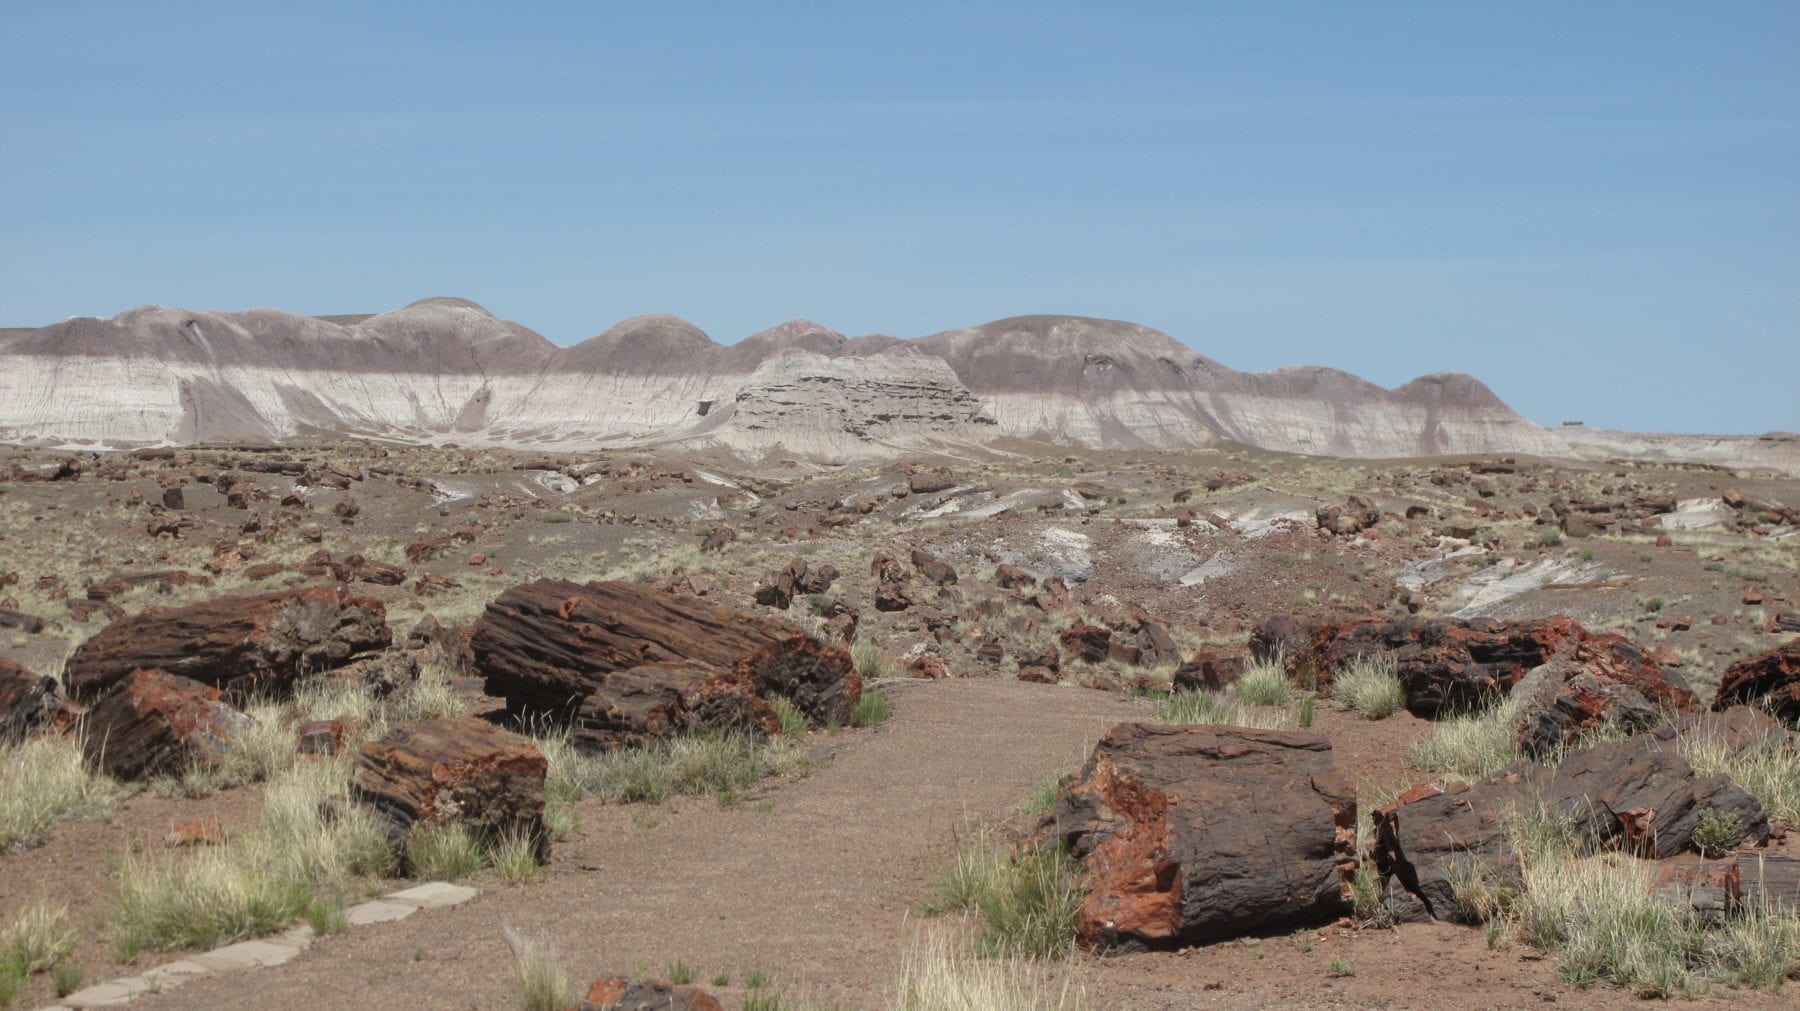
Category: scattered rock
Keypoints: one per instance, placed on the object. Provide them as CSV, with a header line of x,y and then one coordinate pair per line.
x,y
932,568
620,994
1208,671
927,482
1011,577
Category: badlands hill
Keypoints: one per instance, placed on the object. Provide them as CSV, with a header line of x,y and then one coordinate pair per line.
x,y
445,369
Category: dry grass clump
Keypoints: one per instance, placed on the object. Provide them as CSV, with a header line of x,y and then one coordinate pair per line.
x,y
1602,918
1218,708
38,937
45,779
724,765
539,983
1768,770
870,660
1265,683
936,975
1028,903
257,882
1470,746
1370,686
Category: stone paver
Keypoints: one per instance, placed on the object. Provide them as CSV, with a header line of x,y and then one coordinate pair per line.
x,y
433,895
380,912
247,955
116,991
273,951
175,973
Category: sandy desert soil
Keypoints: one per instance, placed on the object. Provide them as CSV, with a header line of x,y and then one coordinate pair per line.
x,y
815,880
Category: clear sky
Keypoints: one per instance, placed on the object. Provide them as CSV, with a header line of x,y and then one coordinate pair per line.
x,y
1594,207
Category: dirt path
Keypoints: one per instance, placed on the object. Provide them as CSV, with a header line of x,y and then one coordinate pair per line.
x,y
811,884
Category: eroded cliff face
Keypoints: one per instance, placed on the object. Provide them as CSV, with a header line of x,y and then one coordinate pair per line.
x,y
447,370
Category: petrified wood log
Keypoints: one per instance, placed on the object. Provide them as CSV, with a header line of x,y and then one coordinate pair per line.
x,y
1451,664
634,707
30,703
1772,677
155,722
1193,833
547,646
1638,795
462,770
238,643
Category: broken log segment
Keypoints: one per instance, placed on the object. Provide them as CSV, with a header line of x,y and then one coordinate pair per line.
x,y
460,770
240,644
547,646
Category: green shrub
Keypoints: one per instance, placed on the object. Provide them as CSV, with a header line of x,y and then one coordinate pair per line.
x,y
1715,832
871,707
869,659
538,982
1028,904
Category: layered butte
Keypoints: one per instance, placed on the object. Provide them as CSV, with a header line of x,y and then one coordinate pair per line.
x,y
445,369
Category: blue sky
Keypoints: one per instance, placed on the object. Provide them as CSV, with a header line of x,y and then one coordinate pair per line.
x,y
1593,207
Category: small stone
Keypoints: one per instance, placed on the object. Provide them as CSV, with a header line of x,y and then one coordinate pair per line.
x,y
247,955
379,912
433,895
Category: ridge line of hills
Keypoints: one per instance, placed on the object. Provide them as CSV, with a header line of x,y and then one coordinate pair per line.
x,y
446,369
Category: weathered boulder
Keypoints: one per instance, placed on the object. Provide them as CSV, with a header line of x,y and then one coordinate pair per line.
x,y
31,703
778,589
932,568
1195,833
1354,516
1771,678
620,994
1208,671
1091,643
154,722
1563,699
640,705
462,770
1449,664
239,643
547,646
927,482
1011,577
1637,795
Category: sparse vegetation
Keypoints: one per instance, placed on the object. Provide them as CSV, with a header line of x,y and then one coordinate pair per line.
x,y
1265,683
1715,832
1469,746
870,660
539,983
45,779
1028,903
38,936
1768,770
1370,686
256,882
444,851
721,764
936,975
871,707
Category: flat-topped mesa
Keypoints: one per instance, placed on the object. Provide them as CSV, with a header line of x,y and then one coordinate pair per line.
x,y
448,369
